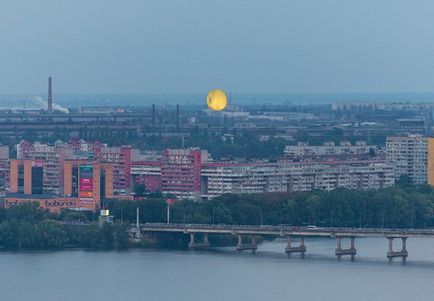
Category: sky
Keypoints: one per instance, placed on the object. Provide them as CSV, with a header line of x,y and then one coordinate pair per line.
x,y
192,46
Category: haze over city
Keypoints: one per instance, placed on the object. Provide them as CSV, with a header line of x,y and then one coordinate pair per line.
x,y
196,150
192,46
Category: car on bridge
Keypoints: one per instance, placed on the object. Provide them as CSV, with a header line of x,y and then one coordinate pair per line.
x,y
312,228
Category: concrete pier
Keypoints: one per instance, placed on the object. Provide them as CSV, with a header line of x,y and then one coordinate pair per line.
x,y
204,244
298,249
246,246
351,251
403,253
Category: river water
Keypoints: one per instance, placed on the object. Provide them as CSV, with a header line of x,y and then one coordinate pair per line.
x,y
222,274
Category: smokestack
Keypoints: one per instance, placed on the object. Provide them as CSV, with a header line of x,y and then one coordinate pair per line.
x,y
153,115
177,116
50,96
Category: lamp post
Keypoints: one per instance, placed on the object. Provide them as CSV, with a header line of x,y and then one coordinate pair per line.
x,y
213,215
168,214
169,203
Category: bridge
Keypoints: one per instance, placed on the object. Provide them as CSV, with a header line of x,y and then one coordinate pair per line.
x,y
290,233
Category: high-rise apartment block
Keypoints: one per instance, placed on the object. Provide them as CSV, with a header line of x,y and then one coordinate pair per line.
x,y
54,156
180,172
409,156
84,183
218,178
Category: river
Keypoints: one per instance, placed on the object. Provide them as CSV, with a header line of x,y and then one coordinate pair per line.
x,y
222,274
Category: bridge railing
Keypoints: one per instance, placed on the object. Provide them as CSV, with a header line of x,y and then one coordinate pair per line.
x,y
285,228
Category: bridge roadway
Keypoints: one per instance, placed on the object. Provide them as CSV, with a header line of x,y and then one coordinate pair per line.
x,y
290,232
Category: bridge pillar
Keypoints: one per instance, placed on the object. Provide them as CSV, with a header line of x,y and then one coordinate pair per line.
x,y
198,245
290,249
403,253
246,246
404,244
351,251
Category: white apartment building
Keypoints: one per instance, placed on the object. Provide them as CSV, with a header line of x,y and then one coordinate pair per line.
x,y
328,148
221,178
409,156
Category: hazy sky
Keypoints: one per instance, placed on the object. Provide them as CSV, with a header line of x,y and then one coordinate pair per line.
x,y
135,46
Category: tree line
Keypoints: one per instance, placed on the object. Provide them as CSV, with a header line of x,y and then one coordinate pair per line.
x,y
402,206
28,227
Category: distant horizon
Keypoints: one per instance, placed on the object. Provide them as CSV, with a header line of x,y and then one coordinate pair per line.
x,y
206,92
72,100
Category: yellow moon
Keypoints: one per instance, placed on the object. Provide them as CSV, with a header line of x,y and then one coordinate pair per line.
x,y
217,100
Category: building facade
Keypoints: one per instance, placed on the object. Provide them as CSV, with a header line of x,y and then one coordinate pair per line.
x,y
409,156
329,148
218,179
180,172
185,174
84,184
54,156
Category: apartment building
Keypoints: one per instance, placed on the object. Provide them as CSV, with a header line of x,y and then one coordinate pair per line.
x,y
409,156
328,148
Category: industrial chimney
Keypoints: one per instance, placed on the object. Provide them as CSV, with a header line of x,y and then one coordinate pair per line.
x,y
50,96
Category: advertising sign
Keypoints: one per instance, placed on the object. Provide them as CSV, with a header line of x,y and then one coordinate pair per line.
x,y
37,163
86,183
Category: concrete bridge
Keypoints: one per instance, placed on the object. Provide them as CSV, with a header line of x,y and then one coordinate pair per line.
x,y
290,233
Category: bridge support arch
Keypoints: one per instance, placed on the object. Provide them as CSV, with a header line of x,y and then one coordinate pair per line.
x,y
204,244
246,246
403,253
350,251
295,249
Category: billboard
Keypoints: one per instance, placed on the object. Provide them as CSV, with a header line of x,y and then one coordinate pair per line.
x,y
85,187
86,184
38,163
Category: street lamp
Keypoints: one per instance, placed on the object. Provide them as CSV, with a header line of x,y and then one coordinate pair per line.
x,y
168,213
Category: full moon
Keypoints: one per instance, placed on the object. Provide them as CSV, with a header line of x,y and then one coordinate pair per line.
x,y
217,100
